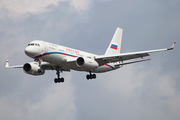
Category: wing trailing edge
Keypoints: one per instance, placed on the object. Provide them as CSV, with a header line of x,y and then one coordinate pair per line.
x,y
133,62
103,59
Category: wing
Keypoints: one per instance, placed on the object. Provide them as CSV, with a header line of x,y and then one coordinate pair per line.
x,y
43,65
17,66
103,59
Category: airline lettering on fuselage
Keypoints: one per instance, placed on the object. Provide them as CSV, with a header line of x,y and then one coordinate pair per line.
x,y
71,50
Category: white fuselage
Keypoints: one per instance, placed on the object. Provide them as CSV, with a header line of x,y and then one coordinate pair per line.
x,y
49,56
62,56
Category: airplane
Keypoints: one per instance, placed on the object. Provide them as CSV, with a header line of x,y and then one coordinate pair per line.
x,y
49,56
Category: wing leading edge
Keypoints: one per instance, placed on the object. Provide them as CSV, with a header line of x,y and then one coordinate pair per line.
x,y
43,65
103,59
17,66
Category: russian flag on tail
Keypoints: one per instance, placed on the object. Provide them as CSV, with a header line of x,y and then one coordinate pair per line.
x,y
113,46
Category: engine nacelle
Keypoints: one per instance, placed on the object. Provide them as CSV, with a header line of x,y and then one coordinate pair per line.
x,y
33,68
86,63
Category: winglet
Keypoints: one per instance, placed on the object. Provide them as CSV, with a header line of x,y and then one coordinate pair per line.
x,y
7,64
172,46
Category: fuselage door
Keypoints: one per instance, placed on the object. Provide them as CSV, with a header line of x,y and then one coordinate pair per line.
x,y
45,47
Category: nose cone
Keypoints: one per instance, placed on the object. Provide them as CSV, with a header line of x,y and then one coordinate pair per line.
x,y
31,52
27,51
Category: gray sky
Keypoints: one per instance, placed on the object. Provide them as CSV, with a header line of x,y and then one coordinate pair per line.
x,y
143,91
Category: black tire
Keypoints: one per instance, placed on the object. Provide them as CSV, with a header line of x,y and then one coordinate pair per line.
x,y
94,76
55,80
62,79
87,76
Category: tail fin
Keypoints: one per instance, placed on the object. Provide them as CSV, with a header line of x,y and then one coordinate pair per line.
x,y
115,45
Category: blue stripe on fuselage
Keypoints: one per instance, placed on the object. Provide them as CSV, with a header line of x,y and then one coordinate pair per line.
x,y
50,53
109,66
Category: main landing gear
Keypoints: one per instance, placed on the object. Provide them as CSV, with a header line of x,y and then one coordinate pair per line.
x,y
58,79
91,76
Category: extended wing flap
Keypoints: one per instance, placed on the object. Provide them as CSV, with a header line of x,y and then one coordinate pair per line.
x,y
121,57
133,62
124,57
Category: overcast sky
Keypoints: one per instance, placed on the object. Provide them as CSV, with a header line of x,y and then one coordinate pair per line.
x,y
142,91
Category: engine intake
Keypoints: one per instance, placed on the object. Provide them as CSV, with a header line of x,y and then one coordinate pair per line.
x,y
33,68
86,63
80,62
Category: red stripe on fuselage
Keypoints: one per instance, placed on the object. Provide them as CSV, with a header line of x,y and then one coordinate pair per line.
x,y
55,53
109,66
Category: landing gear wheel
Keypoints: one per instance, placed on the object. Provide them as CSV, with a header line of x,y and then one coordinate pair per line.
x,y
94,76
62,79
55,80
88,76
58,80
91,76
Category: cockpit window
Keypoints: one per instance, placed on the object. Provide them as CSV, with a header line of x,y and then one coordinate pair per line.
x,y
37,45
33,44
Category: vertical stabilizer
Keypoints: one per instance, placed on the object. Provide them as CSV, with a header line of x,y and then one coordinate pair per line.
x,y
115,44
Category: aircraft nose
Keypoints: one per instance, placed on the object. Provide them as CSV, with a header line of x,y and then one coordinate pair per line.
x,y
29,51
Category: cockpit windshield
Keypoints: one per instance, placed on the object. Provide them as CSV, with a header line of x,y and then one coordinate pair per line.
x,y
33,44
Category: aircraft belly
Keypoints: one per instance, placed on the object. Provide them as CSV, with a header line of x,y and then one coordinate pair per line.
x,y
105,68
54,58
61,61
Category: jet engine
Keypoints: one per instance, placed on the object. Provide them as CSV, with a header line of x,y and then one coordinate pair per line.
x,y
33,68
86,63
